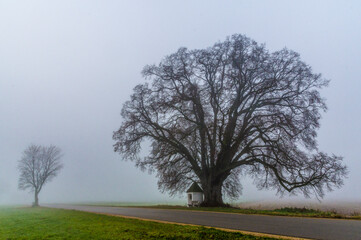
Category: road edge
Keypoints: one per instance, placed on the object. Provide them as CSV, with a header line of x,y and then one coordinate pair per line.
x,y
257,234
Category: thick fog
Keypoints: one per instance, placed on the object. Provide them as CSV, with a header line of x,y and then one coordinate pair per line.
x,y
66,68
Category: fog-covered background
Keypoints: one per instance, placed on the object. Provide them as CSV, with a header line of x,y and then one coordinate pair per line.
x,y
66,68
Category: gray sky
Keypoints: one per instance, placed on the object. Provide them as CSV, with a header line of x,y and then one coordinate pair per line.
x,y
66,68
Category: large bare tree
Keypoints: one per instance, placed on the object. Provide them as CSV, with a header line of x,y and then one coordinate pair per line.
x,y
234,108
38,165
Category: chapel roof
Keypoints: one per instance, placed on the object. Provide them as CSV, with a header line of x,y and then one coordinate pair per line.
x,y
194,188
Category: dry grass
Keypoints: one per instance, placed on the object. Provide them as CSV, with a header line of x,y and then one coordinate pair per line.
x,y
347,208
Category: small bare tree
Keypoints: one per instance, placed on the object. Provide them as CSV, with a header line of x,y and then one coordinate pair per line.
x,y
39,165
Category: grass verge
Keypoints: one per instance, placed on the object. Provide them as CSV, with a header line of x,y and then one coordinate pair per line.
x,y
45,223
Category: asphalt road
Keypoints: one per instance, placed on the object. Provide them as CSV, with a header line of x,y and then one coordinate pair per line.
x,y
287,226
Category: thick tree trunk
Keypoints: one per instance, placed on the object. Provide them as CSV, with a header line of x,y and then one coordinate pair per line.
x,y
212,194
36,200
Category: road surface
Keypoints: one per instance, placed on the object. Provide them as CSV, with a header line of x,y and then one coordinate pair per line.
x,y
312,228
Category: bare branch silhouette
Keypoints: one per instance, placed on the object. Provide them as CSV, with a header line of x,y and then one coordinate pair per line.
x,y
231,109
38,166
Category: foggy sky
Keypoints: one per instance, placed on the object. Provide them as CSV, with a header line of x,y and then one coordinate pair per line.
x,y
66,68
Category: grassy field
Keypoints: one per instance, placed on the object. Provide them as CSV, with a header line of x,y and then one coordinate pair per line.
x,y
286,211
44,223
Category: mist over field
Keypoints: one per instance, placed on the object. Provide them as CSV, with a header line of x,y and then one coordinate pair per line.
x,y
67,67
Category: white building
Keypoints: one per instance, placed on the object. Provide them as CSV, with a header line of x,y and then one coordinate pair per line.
x,y
194,195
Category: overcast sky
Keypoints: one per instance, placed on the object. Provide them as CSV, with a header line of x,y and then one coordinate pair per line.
x,y
66,68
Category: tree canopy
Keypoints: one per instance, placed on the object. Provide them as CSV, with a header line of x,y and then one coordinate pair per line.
x,y
235,108
38,165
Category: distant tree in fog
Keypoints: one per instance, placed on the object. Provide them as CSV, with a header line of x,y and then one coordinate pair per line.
x,y
234,108
38,165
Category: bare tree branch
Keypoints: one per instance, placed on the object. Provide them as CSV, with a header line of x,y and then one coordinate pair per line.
x,y
231,109
38,166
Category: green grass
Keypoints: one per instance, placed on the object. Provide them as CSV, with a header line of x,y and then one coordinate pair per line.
x,y
46,223
291,212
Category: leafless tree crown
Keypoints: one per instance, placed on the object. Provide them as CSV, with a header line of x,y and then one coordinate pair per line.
x,y
38,166
231,109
